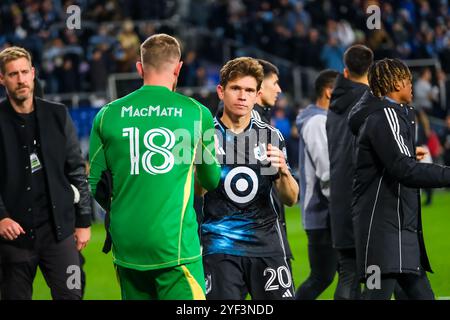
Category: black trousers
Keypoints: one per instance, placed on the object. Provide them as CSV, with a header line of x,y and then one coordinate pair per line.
x,y
58,261
323,264
414,287
348,286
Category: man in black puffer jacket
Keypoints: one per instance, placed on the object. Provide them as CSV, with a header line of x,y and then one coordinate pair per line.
x,y
386,210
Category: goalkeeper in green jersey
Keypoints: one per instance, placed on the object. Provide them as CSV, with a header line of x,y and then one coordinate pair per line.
x,y
150,141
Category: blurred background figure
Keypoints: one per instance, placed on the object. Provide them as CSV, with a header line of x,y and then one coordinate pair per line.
x,y
425,94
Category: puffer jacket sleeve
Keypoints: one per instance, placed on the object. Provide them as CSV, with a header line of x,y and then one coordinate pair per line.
x,y
383,130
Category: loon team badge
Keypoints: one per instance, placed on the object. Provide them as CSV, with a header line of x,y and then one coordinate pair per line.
x,y
260,152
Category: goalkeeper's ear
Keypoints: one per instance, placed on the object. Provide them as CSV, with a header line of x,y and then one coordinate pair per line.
x,y
140,69
177,70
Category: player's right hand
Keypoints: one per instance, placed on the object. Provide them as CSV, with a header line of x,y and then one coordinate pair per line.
x,y
9,229
421,153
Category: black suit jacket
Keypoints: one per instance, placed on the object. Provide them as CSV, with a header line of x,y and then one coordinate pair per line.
x,y
63,165
345,95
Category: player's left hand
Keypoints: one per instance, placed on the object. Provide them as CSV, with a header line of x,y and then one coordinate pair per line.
x,y
82,237
277,159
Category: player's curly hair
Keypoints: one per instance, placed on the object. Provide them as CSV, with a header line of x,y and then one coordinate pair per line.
x,y
385,74
242,67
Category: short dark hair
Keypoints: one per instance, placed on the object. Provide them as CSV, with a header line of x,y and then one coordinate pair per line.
x,y
358,59
385,73
268,68
325,79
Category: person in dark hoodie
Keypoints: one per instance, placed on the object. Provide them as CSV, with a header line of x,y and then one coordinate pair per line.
x,y
386,209
349,88
314,176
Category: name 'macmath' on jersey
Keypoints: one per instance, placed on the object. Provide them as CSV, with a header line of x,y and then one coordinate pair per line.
x,y
150,111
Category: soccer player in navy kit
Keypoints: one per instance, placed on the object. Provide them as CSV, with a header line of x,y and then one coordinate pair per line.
x,y
243,247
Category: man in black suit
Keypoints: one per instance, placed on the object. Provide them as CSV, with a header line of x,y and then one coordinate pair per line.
x,y
42,176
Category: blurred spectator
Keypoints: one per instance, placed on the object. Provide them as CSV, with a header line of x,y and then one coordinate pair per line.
x,y
68,78
98,70
332,54
388,17
283,118
299,44
201,79
423,133
102,37
130,43
52,60
281,122
400,38
426,48
444,93
425,94
109,10
313,50
188,73
444,56
298,14
381,43
345,33
146,30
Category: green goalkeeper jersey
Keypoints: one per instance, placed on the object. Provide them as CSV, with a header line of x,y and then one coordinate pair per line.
x,y
151,140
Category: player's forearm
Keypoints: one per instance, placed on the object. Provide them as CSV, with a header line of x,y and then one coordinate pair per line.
x,y
209,177
96,163
208,173
287,189
198,189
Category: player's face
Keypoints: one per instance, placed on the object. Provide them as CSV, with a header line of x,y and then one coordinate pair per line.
x,y
18,79
405,92
270,89
239,95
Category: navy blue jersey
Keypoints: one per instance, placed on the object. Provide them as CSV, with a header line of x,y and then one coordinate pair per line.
x,y
239,216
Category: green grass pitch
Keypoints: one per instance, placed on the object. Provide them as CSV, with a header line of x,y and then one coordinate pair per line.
x,y
102,283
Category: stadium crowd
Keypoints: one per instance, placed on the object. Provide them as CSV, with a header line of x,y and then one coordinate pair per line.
x,y
297,30
311,34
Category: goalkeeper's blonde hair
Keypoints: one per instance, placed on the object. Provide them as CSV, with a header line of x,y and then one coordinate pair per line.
x,y
158,50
